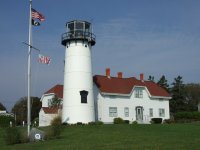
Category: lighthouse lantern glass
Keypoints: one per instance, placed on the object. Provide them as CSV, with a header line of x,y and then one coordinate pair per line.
x,y
79,25
71,27
87,27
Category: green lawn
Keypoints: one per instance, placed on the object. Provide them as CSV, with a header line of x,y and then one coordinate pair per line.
x,y
142,137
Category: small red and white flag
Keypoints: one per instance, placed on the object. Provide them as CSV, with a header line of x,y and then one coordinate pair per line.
x,y
44,59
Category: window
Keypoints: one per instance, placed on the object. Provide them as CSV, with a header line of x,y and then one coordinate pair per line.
x,y
83,96
138,93
87,27
71,26
150,112
79,25
112,111
126,112
49,102
161,112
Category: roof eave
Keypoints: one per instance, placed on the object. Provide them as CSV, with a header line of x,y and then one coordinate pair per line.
x,y
163,97
47,94
115,94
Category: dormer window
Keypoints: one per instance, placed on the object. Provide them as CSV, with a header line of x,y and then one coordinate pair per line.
x,y
138,93
49,102
84,95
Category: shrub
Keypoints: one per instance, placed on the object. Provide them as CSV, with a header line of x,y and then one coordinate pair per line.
x,y
55,129
56,121
24,137
65,124
92,123
118,120
134,122
168,121
156,120
79,123
99,123
126,121
5,121
95,123
12,136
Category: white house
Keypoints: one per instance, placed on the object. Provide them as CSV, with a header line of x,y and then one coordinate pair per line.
x,y
4,113
129,98
47,112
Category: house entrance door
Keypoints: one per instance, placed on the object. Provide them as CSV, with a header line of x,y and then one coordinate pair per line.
x,y
139,113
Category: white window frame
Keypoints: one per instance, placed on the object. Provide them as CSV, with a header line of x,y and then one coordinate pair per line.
x,y
112,111
161,112
150,112
138,93
126,111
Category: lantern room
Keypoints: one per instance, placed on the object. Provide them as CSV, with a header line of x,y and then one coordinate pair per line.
x,y
78,31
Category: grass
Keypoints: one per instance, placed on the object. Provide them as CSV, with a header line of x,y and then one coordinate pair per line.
x,y
136,137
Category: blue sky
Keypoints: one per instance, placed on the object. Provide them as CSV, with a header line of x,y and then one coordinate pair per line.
x,y
154,37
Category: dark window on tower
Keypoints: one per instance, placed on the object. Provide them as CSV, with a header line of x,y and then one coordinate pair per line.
x,y
84,95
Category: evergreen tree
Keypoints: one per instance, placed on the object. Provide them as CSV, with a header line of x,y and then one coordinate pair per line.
x,y
192,96
151,78
163,83
2,107
178,101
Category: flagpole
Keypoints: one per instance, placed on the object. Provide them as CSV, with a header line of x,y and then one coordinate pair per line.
x,y
29,72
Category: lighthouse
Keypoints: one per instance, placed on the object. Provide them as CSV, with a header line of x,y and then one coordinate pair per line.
x,y
78,99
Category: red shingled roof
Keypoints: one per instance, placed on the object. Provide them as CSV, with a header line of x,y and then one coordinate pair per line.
x,y
125,85
58,90
50,110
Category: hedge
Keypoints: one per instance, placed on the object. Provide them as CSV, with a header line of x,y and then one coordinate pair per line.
x,y
95,123
118,120
13,135
5,121
156,120
187,116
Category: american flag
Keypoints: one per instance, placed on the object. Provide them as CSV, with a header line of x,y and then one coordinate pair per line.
x,y
36,15
44,59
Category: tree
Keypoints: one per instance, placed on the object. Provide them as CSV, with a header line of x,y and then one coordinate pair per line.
x,y
178,101
2,107
151,78
192,96
163,83
20,109
56,102
35,108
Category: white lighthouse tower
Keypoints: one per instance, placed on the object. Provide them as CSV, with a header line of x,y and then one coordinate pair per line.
x,y
78,100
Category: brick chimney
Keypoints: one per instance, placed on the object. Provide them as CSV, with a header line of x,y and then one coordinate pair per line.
x,y
119,74
108,72
142,77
